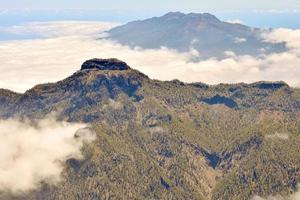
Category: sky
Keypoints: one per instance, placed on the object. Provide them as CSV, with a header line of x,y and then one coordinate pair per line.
x,y
257,13
154,5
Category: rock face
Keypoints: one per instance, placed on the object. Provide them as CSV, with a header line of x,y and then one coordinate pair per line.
x,y
270,85
221,100
105,64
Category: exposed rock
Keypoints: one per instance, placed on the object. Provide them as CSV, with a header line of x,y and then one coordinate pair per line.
x,y
164,183
221,100
177,82
199,85
270,85
105,64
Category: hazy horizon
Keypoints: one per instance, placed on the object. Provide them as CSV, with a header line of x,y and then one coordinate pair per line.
x,y
251,17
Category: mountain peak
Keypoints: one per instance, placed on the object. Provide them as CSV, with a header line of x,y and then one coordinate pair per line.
x,y
174,14
105,64
203,32
199,16
204,16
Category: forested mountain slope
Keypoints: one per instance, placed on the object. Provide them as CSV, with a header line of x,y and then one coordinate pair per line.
x,y
168,140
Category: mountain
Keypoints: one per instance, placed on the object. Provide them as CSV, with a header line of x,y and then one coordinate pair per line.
x,y
203,32
168,140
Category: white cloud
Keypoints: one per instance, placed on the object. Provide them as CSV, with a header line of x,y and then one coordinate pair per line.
x,y
24,64
291,37
234,21
229,54
295,196
59,29
240,40
31,153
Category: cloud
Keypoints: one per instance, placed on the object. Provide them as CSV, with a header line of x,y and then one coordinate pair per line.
x,y
58,29
240,40
234,21
281,136
31,153
25,63
295,196
289,36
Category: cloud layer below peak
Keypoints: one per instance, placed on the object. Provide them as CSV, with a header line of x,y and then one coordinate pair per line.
x,y
31,153
63,48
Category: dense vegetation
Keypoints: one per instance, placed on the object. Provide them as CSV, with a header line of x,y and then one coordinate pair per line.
x,y
170,140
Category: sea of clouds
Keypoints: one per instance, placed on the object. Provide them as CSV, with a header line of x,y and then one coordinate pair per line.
x,y
61,47
31,153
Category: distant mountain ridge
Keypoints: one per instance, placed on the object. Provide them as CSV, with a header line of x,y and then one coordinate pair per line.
x,y
203,32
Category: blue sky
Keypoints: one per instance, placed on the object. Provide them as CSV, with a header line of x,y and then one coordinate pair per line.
x,y
154,5
257,13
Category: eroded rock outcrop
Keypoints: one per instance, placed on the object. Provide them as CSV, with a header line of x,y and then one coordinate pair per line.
x,y
105,64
